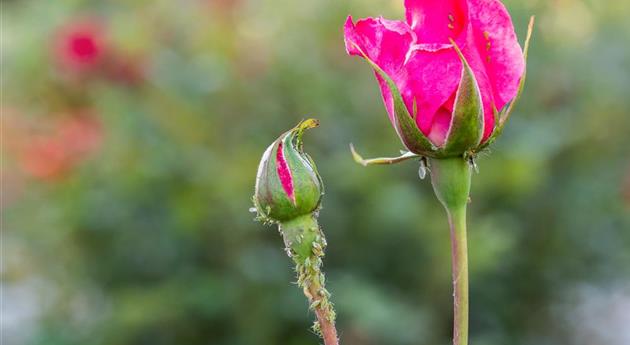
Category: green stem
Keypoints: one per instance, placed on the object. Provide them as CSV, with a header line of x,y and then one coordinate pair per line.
x,y
305,244
459,247
451,179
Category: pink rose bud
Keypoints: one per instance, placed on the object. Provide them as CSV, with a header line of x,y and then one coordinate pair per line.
x,y
287,184
448,74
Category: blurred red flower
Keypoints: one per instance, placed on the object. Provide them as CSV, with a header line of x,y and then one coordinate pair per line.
x,y
49,150
80,46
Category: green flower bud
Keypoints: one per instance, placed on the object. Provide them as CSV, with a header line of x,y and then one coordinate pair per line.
x,y
287,184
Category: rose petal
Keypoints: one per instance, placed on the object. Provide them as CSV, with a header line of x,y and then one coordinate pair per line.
x,y
499,48
476,62
285,173
387,43
435,21
419,58
427,73
442,122
433,78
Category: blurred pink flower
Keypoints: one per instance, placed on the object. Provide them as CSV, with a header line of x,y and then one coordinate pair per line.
x,y
49,150
80,46
418,56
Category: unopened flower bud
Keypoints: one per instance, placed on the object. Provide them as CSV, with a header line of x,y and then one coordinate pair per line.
x,y
287,184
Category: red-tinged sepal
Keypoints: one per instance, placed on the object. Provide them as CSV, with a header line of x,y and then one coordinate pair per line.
x,y
287,184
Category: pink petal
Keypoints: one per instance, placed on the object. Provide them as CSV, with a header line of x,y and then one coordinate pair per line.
x,y
442,122
428,73
435,21
284,173
478,66
433,77
386,43
498,47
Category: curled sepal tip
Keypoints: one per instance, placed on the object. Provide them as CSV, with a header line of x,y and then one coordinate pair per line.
x,y
287,183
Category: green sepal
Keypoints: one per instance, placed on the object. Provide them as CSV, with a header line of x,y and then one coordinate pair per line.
x,y
382,160
405,125
272,202
467,122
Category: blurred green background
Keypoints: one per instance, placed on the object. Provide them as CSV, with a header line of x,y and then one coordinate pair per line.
x,y
131,135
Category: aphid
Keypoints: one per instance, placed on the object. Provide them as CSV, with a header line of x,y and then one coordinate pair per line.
x,y
315,304
307,293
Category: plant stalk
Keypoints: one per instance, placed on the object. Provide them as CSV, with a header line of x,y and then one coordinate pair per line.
x,y
325,324
305,244
459,247
451,179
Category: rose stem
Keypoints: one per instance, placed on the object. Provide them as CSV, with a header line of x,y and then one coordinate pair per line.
x,y
451,179
459,247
